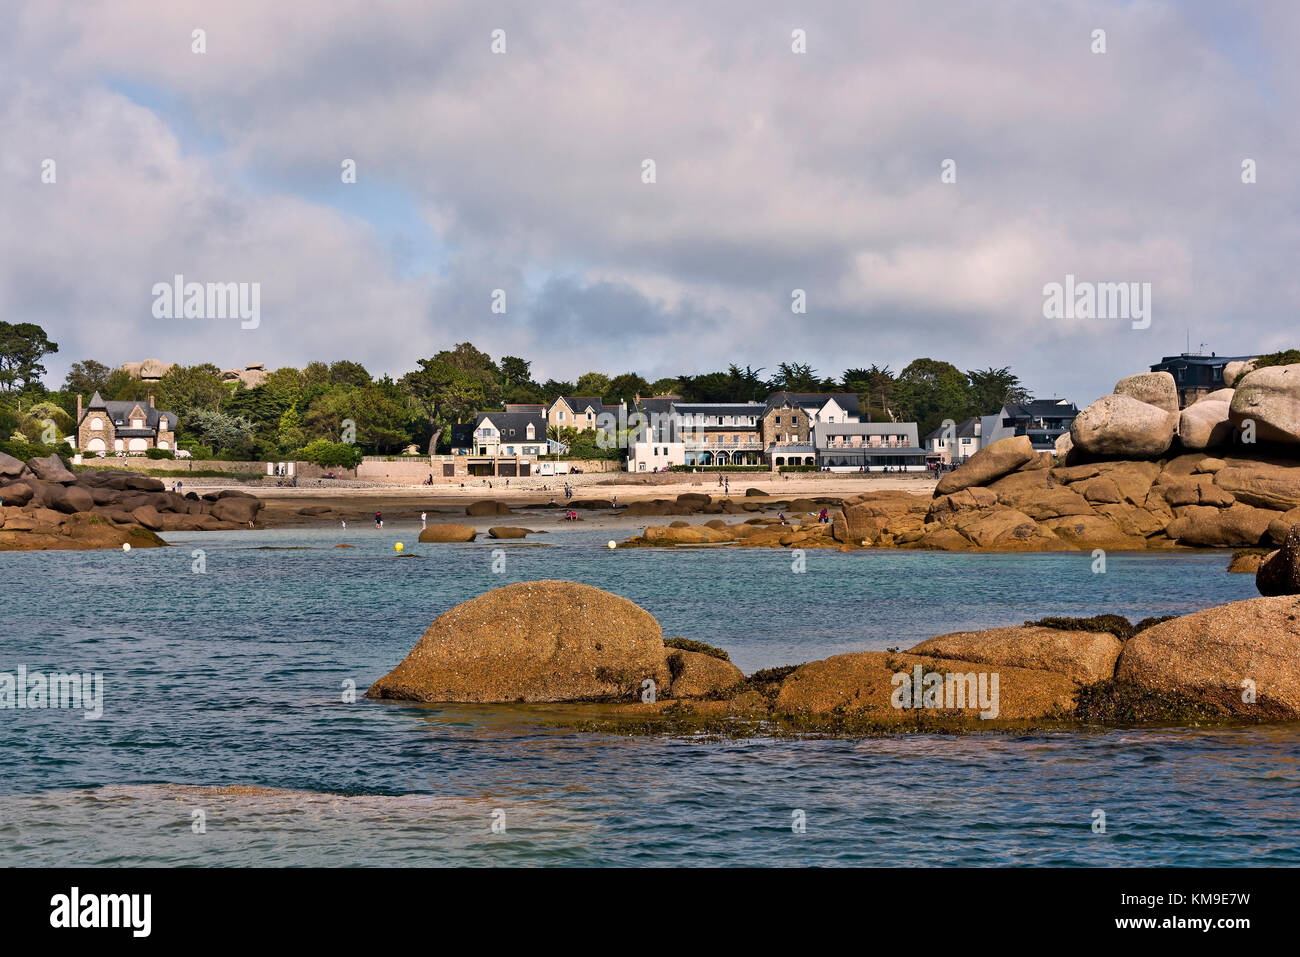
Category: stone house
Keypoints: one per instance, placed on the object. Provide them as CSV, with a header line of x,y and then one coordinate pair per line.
x,y
123,426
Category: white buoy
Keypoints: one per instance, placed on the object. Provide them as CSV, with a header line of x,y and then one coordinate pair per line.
x,y
126,546
613,544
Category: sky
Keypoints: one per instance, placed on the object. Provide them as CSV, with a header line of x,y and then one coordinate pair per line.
x,y
774,171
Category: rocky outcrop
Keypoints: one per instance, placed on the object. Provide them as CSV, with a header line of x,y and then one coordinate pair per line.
x,y
872,683
1153,388
507,531
574,643
1243,657
57,506
1279,573
1207,423
448,532
988,464
1122,426
1269,398
696,675
1085,656
487,507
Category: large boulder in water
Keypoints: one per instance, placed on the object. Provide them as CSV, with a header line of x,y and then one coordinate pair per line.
x,y
1153,388
1270,398
70,498
1085,656
487,507
697,675
989,463
1279,574
1222,653
236,509
533,641
448,532
1120,425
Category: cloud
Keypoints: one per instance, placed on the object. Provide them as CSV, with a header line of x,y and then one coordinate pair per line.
x,y
775,171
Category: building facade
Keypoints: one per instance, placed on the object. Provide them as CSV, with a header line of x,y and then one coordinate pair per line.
x,y
127,427
1196,376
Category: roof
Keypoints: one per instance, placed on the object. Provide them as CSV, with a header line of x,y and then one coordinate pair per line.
x,y
1191,360
824,431
870,452
1039,408
513,426
536,408
848,401
579,403
120,411
965,430
719,408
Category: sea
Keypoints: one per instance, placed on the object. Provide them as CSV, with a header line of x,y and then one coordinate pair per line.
x,y
234,728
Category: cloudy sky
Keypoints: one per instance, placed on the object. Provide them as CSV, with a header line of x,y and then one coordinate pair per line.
x,y
775,171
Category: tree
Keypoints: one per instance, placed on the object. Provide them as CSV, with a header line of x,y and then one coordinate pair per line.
x,y
515,372
874,388
991,389
592,384
22,347
929,391
443,392
796,377
626,387
86,377
223,433
192,387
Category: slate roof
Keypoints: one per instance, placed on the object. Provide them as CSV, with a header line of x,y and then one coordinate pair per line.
x,y
513,426
848,401
119,413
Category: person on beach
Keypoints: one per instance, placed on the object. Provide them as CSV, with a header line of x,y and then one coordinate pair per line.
x,y
379,519
781,516
424,520
344,523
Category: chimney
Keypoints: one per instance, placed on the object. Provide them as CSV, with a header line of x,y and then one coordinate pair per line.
x,y
151,400
78,408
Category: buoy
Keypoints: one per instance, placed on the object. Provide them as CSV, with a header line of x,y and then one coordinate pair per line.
x,y
613,544
397,547
126,546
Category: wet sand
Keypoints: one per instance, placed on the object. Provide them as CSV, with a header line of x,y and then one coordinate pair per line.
x,y
529,498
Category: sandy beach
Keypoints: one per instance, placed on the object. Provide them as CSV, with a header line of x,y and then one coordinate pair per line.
x,y
353,502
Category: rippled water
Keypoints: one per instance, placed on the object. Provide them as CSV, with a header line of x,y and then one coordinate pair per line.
x,y
234,677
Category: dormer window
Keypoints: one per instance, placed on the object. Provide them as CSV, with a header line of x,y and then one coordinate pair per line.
x,y
532,434
137,423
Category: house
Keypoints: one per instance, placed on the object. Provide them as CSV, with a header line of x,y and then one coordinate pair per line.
x,y
1043,420
655,456
956,448
130,427
509,434
718,433
579,412
1196,375
868,446
788,419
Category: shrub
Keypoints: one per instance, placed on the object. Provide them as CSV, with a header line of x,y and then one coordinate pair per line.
x,y
1288,357
326,453
159,454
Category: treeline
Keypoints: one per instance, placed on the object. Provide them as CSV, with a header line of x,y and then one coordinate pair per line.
x,y
334,412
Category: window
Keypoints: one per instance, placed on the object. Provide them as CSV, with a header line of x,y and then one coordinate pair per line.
x,y
97,425
137,423
561,415
164,444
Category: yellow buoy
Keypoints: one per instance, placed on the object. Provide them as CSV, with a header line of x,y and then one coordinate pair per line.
x,y
397,547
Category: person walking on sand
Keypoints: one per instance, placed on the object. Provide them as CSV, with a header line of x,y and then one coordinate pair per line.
x,y
424,521
344,523
379,519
